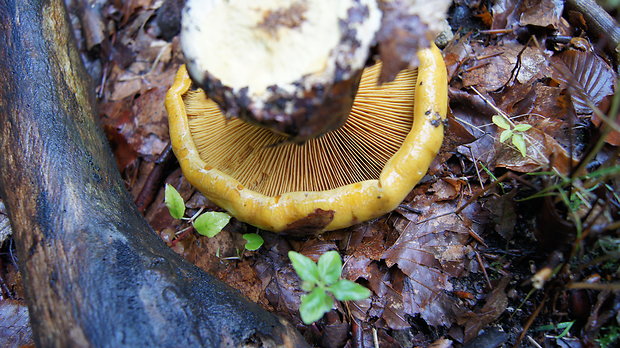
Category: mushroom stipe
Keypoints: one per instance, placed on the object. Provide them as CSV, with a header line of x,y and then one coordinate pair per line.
x,y
323,207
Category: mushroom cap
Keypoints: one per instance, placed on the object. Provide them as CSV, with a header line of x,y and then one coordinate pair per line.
x,y
321,199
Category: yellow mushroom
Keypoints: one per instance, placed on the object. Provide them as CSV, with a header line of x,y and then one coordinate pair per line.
x,y
358,172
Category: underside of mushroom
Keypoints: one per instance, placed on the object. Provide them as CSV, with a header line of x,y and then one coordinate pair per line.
x,y
378,123
355,173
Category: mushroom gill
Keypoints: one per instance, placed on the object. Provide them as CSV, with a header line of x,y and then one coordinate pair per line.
x,y
262,161
350,175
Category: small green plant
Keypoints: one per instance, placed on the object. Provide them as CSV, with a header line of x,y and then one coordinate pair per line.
x,y
253,241
320,279
609,336
512,131
207,224
564,326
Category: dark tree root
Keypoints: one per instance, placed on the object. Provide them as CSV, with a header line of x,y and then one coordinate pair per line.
x,y
94,271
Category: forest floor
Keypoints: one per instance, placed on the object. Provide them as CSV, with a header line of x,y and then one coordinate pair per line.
x,y
511,239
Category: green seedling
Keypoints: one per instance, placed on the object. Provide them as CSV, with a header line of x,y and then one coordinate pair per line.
x,y
207,224
174,202
609,337
512,131
565,327
253,241
321,279
211,223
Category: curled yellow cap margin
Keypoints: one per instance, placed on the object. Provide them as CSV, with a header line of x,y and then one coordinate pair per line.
x,y
349,204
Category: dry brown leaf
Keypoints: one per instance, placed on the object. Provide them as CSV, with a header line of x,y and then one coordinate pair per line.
x,y
151,122
505,14
429,251
588,77
503,213
542,13
543,152
356,267
456,135
314,248
613,138
497,66
242,276
128,85
494,306
441,343
456,52
283,293
388,304
446,189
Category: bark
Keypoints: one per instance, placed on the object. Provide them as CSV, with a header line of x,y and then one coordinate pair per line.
x,y
600,23
94,271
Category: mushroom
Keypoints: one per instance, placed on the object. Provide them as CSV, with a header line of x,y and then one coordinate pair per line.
x,y
311,55
355,173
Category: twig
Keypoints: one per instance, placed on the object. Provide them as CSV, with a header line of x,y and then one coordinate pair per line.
x,y
530,321
358,334
153,181
594,286
600,23
484,271
375,338
533,342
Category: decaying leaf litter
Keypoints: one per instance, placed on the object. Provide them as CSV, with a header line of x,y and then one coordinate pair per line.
x,y
469,256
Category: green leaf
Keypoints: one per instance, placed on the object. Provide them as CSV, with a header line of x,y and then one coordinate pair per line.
x,y
505,135
519,143
306,268
346,290
501,122
211,223
307,286
174,202
314,305
330,267
254,241
522,127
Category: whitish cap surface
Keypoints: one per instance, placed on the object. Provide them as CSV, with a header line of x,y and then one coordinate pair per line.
x,y
257,44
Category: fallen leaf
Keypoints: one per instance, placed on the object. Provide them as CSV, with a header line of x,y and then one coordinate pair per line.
x,y
494,306
543,152
588,76
356,267
505,14
400,37
314,248
430,251
498,65
542,13
503,213
456,52
446,189
613,138
387,285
